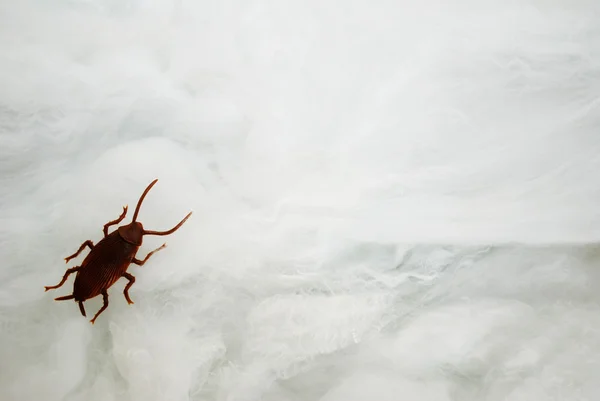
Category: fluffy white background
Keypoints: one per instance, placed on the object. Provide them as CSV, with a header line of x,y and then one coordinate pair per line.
x,y
393,200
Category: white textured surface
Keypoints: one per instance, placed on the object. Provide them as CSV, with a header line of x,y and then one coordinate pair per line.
x,y
393,200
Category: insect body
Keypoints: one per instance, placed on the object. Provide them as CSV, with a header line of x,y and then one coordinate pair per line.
x,y
109,259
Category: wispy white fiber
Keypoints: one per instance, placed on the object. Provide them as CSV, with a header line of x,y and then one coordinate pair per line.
x,y
393,200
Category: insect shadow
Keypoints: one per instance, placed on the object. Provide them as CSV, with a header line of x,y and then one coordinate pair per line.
x,y
109,259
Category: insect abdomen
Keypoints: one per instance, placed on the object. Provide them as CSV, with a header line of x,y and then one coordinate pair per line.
x,y
90,282
105,264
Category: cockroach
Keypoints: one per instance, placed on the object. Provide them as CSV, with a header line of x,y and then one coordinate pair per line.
x,y
109,259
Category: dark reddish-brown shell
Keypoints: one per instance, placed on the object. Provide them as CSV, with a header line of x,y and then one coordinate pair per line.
x,y
102,267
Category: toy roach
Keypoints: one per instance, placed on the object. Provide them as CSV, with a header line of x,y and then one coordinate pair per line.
x,y
109,259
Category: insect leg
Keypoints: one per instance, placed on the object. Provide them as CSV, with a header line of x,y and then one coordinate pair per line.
x,y
65,298
72,270
105,298
88,243
141,262
117,221
128,286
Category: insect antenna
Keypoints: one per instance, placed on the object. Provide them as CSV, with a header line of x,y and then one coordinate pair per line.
x,y
169,231
137,208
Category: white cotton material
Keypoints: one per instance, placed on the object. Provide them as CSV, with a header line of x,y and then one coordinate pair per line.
x,y
392,200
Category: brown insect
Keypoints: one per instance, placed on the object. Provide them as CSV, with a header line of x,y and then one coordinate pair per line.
x,y
109,259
